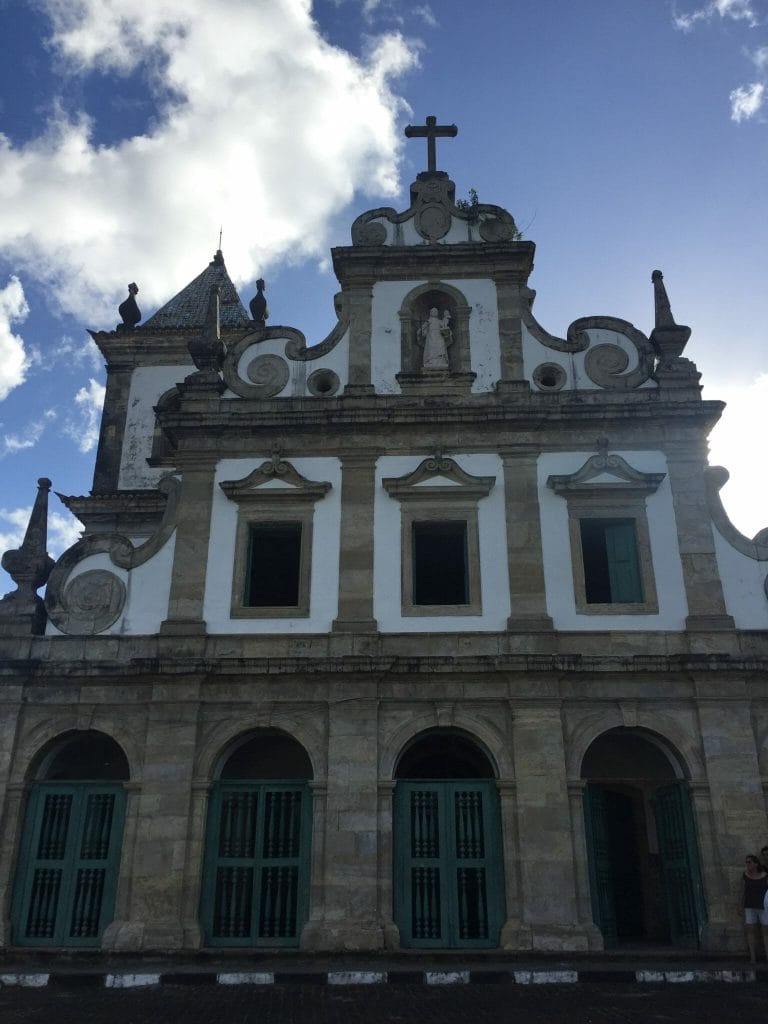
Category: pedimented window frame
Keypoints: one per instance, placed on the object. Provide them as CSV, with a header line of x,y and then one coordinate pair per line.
x,y
623,496
261,503
439,491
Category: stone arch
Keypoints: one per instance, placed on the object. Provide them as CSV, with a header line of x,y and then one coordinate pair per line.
x,y
415,311
79,755
660,729
223,739
490,740
44,736
264,754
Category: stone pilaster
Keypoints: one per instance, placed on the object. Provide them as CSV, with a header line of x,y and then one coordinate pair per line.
x,y
190,560
155,905
510,332
580,864
359,298
106,474
701,576
524,552
514,934
386,864
730,813
348,916
356,555
546,853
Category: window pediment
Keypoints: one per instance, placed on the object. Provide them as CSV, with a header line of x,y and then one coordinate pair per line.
x,y
605,475
436,478
275,480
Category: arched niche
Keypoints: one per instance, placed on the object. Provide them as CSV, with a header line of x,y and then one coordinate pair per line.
x,y
443,754
414,312
635,755
163,448
266,754
81,756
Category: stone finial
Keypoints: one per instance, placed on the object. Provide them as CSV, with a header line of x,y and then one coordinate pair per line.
x,y
207,350
668,340
258,305
29,566
129,310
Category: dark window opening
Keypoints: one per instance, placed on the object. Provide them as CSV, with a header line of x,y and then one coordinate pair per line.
x,y
611,567
440,563
274,564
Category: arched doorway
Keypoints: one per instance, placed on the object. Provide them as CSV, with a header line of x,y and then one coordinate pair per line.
x,y
70,853
256,877
645,881
449,880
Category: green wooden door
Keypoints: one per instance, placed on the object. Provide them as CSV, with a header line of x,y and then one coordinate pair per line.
x,y
449,885
680,864
600,861
256,880
70,856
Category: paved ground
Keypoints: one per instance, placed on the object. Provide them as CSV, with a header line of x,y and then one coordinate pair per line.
x,y
584,1003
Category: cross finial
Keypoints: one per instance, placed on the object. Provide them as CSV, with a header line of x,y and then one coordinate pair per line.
x,y
431,131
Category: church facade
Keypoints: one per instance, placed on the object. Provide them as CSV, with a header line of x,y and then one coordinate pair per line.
x,y
434,634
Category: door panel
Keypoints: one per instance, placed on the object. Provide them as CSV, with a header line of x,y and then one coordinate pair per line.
x,y
680,864
600,863
448,878
71,848
256,882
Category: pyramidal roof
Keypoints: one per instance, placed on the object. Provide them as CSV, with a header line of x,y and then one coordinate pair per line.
x,y
190,306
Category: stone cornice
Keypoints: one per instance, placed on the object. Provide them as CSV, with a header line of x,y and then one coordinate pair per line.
x,y
512,260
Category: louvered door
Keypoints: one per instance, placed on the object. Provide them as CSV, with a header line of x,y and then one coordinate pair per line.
x,y
69,862
256,881
449,889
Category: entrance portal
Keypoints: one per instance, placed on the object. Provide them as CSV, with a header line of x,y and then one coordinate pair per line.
x,y
644,873
449,883
70,852
256,880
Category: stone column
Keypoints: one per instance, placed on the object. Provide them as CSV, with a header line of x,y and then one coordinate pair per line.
x,y
190,560
106,473
703,589
580,864
356,556
514,934
734,823
524,552
156,905
358,298
348,918
546,851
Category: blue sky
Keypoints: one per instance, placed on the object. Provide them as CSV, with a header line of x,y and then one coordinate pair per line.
x,y
623,135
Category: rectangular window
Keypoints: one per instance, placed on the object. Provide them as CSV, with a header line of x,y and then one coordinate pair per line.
x,y
273,575
440,563
611,565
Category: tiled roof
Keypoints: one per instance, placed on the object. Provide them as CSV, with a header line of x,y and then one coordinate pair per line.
x,y
189,307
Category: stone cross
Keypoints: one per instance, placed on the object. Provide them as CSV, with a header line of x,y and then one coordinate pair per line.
x,y
430,131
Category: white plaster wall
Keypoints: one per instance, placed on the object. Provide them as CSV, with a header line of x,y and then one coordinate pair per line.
x,y
494,578
534,353
148,383
337,360
388,297
558,572
743,579
324,580
147,589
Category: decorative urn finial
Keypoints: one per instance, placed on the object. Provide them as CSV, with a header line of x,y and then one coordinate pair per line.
x,y
29,566
258,305
129,309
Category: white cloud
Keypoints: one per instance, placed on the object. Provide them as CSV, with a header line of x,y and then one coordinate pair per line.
x,y
13,359
84,428
746,101
736,443
738,10
28,437
68,351
263,127
759,58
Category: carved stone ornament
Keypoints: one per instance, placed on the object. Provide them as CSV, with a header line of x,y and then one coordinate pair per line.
x,y
716,477
450,482
296,487
605,363
269,373
627,481
92,601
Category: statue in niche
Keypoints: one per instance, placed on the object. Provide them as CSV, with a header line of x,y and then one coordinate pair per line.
x,y
129,309
437,336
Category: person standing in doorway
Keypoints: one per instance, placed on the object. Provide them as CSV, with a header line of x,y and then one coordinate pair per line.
x,y
755,884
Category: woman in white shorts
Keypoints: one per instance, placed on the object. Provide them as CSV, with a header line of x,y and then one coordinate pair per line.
x,y
755,884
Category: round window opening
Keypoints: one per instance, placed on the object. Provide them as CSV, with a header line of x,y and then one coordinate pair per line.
x,y
549,377
323,383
